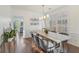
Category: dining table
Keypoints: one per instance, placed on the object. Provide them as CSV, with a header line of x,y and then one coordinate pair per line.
x,y
56,37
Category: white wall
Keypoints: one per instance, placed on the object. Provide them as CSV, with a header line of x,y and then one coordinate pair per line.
x,y
73,24
5,15
5,10
5,18
27,16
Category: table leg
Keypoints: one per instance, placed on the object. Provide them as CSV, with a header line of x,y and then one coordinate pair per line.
x,y
61,47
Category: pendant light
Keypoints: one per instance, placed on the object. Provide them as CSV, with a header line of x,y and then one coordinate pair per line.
x,y
44,17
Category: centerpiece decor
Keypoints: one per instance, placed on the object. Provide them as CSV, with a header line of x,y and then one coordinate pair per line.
x,y
45,30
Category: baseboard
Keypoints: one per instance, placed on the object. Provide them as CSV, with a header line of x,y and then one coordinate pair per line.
x,y
74,45
71,43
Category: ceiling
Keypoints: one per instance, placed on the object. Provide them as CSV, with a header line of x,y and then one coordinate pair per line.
x,y
36,8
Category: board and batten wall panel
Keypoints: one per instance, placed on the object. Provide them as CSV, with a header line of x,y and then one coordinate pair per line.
x,y
73,25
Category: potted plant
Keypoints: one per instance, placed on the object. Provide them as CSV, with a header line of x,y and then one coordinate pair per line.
x,y
7,38
11,39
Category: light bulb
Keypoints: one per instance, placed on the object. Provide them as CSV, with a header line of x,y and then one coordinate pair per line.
x,y
44,17
47,15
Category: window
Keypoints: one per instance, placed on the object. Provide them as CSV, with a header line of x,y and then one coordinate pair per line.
x,y
59,22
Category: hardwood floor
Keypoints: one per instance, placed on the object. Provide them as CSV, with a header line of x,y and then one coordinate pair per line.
x,y
24,46
21,45
73,49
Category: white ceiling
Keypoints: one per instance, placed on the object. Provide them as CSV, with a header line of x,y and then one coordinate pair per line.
x,y
36,8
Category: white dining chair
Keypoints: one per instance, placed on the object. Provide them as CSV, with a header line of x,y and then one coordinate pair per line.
x,y
47,46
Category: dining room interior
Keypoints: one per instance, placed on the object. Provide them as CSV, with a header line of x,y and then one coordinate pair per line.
x,y
39,29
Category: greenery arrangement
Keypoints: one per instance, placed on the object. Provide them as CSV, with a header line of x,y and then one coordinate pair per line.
x,y
46,31
8,35
12,33
5,36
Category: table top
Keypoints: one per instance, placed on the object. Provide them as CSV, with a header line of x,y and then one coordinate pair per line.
x,y
54,36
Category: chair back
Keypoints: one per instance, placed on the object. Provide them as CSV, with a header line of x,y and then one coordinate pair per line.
x,y
42,44
32,37
36,40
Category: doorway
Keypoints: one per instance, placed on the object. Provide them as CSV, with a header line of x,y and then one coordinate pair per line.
x,y
18,24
